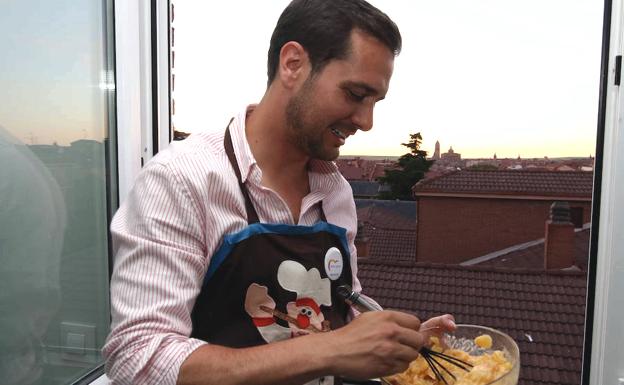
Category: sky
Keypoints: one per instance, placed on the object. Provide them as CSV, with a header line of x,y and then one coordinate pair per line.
x,y
511,77
50,71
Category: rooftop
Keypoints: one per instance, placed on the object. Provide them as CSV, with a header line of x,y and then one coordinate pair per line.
x,y
390,227
531,254
352,172
517,183
364,188
363,169
397,215
542,310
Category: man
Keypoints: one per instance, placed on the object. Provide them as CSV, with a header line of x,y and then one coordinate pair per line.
x,y
232,244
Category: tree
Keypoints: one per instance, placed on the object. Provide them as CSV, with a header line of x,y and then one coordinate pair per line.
x,y
411,168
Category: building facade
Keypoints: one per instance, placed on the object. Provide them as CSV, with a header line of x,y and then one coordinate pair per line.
x,y
468,214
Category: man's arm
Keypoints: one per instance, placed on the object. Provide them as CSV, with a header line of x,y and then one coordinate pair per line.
x,y
159,266
374,344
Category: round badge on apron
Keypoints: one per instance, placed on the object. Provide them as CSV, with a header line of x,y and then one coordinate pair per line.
x,y
333,263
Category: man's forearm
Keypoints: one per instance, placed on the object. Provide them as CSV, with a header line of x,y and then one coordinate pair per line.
x,y
294,361
374,344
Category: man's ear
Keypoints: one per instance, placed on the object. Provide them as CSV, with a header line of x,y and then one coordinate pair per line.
x,y
294,65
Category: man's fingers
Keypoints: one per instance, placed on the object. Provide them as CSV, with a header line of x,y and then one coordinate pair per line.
x,y
439,325
400,359
413,339
404,319
403,328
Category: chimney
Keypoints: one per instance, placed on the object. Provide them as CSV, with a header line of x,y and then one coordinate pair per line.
x,y
362,245
559,240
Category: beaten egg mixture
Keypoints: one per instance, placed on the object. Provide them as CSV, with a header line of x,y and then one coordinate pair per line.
x,y
486,368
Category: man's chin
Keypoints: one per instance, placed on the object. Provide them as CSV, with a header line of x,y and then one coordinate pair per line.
x,y
326,159
327,155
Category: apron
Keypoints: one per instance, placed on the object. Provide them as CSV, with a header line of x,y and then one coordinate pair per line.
x,y
270,282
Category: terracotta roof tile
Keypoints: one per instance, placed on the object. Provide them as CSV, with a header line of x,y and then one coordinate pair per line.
x,y
380,170
390,227
398,215
391,245
523,183
352,172
542,310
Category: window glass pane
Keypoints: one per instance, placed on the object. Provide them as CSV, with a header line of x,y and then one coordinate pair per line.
x,y
54,155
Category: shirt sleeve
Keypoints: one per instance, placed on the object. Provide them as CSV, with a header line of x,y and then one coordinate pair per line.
x,y
158,243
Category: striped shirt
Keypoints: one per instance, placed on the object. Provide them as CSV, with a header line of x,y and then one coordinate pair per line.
x,y
185,200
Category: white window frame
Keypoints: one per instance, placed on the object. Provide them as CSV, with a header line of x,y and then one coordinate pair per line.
x,y
133,76
136,127
607,355
130,121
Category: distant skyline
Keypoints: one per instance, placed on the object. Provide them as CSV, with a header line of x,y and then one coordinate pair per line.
x,y
483,76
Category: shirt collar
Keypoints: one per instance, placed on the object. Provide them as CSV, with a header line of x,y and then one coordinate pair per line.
x,y
323,176
242,151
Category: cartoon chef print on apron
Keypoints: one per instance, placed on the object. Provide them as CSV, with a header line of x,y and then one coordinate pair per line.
x,y
271,282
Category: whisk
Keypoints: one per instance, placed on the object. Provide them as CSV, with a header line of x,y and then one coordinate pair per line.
x,y
431,356
435,365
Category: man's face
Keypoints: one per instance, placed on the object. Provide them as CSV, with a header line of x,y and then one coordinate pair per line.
x,y
336,102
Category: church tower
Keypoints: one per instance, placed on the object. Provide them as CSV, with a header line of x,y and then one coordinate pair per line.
x,y
436,153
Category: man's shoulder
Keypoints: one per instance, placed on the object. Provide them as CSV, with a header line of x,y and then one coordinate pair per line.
x,y
203,148
196,162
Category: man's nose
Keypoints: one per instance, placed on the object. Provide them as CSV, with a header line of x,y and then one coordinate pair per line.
x,y
363,117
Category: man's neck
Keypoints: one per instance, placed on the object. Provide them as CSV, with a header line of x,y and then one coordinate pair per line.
x,y
267,135
284,167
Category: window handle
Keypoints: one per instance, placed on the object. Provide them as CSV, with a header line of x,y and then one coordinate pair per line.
x,y
618,69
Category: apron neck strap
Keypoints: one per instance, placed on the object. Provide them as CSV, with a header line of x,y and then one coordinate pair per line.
x,y
252,215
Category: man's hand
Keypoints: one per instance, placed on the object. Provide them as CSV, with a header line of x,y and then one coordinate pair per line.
x,y
375,344
438,325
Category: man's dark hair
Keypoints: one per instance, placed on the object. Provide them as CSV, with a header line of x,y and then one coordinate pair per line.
x,y
323,28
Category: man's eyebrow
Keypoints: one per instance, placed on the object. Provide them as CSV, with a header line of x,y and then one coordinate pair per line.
x,y
367,88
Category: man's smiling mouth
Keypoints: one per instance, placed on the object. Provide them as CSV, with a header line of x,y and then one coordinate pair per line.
x,y
338,133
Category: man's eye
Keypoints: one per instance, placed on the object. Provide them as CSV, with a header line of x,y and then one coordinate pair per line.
x,y
355,96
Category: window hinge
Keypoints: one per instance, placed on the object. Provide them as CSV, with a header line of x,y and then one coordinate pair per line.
x,y
618,69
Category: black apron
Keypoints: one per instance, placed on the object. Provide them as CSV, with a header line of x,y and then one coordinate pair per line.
x,y
270,282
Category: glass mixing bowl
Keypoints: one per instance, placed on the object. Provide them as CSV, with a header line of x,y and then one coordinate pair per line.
x,y
463,339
